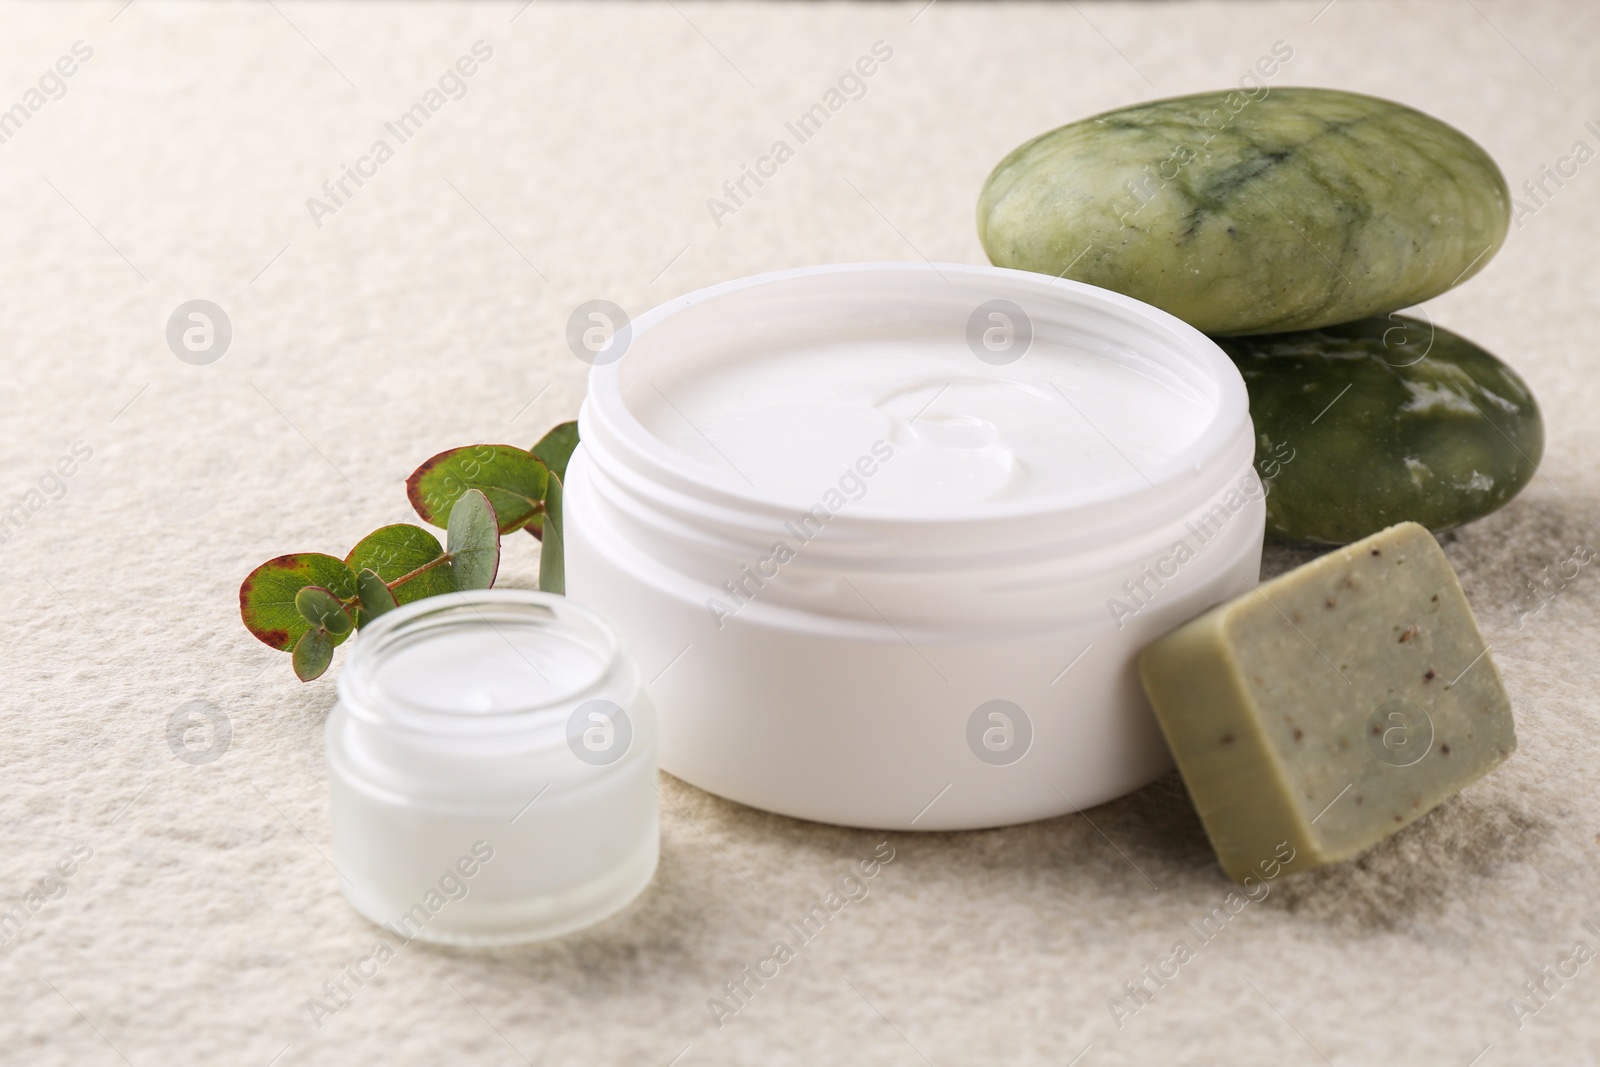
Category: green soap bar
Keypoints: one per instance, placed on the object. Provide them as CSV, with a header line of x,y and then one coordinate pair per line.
x,y
1252,212
1331,706
1384,420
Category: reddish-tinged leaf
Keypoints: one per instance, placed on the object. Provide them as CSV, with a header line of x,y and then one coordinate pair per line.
x,y
266,597
512,479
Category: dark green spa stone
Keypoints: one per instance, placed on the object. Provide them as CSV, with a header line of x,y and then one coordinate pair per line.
x,y
1295,209
1376,422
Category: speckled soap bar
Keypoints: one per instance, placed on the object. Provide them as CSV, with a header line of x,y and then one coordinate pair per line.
x,y
1332,705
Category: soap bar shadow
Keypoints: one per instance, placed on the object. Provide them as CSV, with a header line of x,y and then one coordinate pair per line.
x,y
1413,878
1407,880
1538,551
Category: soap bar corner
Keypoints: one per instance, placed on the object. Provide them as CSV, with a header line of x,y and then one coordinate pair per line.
x,y
1331,706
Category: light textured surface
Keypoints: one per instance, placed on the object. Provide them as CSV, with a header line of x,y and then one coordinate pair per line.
x,y
177,166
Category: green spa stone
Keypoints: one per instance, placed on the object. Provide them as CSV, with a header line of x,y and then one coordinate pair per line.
x,y
1380,421
1296,209
1331,706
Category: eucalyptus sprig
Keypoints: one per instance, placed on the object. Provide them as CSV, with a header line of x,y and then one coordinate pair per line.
x,y
308,603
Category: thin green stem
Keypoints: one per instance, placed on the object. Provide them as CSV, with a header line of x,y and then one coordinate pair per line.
x,y
355,600
404,578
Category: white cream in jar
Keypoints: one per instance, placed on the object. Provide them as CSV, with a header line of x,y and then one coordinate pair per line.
x,y
963,432
492,767
887,538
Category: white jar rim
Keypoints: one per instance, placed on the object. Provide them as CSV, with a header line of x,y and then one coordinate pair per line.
x,y
544,616
681,491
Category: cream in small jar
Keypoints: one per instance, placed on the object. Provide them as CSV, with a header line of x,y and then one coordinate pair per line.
x,y
492,763
887,538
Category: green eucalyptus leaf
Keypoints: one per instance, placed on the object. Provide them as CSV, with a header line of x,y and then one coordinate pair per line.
x,y
396,551
474,539
553,552
512,479
375,595
322,609
554,450
267,596
312,654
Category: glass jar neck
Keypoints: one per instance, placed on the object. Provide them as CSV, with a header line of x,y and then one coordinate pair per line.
x,y
492,663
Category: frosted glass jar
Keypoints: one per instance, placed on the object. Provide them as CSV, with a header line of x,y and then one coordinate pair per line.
x,y
492,763
888,538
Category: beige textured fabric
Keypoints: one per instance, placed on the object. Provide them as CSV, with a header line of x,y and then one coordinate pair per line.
x,y
428,311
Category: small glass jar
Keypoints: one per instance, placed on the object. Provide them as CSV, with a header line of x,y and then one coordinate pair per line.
x,y
492,763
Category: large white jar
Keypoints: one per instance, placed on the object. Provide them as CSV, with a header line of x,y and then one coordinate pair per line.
x,y
887,539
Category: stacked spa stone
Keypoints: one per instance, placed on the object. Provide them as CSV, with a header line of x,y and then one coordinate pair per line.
x,y
1291,224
